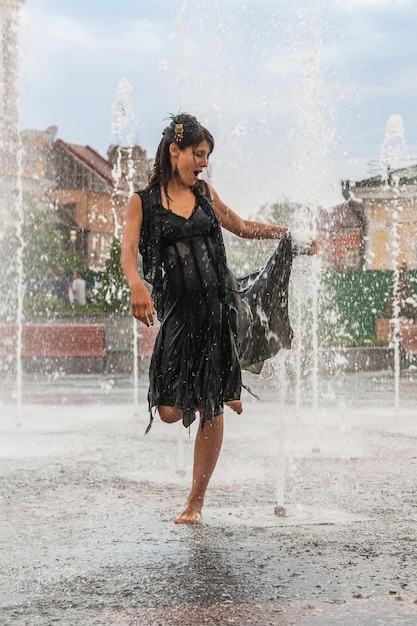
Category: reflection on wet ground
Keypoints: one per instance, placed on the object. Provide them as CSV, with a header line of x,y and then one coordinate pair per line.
x,y
87,503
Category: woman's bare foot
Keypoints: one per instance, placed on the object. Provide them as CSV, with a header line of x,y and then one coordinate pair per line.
x,y
235,405
206,451
190,515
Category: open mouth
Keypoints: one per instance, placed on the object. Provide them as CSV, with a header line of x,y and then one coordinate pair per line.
x,y
197,173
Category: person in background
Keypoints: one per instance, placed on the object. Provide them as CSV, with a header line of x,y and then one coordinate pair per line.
x,y
48,285
78,288
62,286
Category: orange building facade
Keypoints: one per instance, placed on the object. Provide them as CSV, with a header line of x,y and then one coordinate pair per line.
x,y
389,206
87,194
339,237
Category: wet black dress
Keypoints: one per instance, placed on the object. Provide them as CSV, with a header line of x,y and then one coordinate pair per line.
x,y
212,325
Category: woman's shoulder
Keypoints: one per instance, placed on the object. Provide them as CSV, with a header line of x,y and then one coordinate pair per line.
x,y
150,196
147,191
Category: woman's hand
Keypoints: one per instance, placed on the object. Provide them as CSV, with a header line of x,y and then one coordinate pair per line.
x,y
141,302
312,247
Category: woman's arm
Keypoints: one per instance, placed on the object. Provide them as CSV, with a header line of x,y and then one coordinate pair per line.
x,y
249,230
232,222
142,307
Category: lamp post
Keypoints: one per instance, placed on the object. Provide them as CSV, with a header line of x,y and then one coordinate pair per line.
x,y
73,239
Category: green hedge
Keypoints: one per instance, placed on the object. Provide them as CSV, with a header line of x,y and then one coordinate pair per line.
x,y
351,301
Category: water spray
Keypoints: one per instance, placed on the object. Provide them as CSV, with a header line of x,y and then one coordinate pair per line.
x,y
123,126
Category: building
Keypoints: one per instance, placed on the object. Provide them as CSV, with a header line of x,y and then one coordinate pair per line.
x,y
389,208
339,236
90,193
85,192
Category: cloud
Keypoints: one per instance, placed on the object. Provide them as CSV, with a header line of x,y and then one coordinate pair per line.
x,y
285,87
53,43
71,68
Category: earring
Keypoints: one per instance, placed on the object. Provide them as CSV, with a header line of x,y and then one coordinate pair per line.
x,y
176,172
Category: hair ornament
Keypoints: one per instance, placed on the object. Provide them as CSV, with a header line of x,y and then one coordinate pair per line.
x,y
178,132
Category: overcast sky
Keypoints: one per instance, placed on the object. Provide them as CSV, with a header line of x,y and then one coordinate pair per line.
x,y
296,92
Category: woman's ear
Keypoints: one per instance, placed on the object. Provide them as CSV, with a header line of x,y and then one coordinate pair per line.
x,y
174,149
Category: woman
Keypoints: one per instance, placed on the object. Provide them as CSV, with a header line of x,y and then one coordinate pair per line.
x,y
211,324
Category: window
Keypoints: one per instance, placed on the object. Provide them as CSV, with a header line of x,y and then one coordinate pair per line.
x,y
352,258
327,257
67,214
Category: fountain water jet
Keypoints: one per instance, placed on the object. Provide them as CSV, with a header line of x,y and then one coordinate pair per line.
x,y
394,154
313,137
11,158
123,126
279,509
19,267
395,251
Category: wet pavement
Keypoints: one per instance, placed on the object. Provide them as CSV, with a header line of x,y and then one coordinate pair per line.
x,y
87,506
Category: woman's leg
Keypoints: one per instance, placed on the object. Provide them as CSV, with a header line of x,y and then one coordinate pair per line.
x,y
170,414
207,447
235,405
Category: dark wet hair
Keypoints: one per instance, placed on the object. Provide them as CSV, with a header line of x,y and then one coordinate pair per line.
x,y
184,130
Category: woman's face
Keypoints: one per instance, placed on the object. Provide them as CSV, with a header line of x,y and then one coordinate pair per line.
x,y
191,162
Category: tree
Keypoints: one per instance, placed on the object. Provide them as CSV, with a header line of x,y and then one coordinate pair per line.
x,y
29,247
285,213
44,245
402,302
247,255
354,207
116,292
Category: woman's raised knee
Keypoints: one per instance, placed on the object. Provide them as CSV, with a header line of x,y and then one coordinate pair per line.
x,y
170,414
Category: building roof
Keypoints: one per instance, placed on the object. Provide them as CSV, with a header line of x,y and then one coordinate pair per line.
x,y
401,176
341,217
93,160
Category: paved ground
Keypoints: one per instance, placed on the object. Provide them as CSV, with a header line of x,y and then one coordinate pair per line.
x,y
87,502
